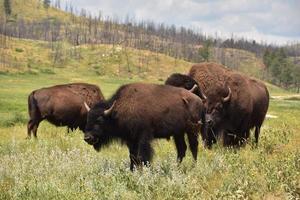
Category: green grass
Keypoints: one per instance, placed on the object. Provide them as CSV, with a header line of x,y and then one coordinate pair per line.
x,y
31,10
62,166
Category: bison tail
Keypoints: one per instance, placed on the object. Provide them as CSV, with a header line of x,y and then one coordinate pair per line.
x,y
33,109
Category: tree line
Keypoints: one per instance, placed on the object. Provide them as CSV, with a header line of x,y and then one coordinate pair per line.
x,y
282,69
178,42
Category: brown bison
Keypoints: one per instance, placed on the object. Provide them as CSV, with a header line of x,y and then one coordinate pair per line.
x,y
235,103
138,113
61,105
260,97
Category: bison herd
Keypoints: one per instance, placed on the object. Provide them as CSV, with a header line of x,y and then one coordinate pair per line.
x,y
211,100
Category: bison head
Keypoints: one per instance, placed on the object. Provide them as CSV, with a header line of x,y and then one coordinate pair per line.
x,y
185,81
98,119
217,105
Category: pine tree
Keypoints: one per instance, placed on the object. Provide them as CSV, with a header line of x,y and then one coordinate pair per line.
x,y
47,3
7,7
205,50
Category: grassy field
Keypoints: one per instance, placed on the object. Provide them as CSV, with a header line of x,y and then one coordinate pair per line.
x,y
62,166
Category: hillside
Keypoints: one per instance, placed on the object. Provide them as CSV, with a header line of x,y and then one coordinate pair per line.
x,y
29,56
31,10
30,20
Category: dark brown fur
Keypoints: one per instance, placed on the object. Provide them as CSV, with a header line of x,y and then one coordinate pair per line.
x,y
143,112
234,119
248,104
260,97
61,105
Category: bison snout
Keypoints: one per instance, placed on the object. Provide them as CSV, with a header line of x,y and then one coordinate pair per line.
x,y
209,121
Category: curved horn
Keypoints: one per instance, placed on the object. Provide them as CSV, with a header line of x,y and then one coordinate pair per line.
x,y
225,99
87,107
193,88
108,111
203,95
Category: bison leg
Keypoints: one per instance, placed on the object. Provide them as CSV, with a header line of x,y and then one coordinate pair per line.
x,y
228,139
180,146
29,128
145,152
34,130
32,126
257,131
193,142
211,138
133,155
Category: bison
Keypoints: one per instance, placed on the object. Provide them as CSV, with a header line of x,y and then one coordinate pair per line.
x,y
235,103
260,96
138,113
61,105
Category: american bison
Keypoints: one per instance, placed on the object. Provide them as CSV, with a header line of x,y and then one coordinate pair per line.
x,y
61,105
138,113
260,97
235,103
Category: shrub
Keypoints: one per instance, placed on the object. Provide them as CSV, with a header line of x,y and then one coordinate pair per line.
x,y
19,50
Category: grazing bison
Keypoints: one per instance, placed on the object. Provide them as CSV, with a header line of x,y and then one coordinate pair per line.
x,y
235,103
61,105
137,113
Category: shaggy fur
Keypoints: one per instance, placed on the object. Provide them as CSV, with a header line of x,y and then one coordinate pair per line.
x,y
143,112
61,105
232,120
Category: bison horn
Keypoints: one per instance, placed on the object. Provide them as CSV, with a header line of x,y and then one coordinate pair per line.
x,y
193,88
87,107
108,111
225,99
203,96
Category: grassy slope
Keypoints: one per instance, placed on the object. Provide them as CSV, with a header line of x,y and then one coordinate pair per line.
x,y
248,63
32,10
35,56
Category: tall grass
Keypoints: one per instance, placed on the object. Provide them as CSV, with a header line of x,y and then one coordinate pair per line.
x,y
62,166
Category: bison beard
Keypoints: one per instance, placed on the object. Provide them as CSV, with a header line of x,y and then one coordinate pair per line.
x,y
136,117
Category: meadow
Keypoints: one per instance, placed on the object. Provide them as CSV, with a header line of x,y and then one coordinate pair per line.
x,y
60,165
